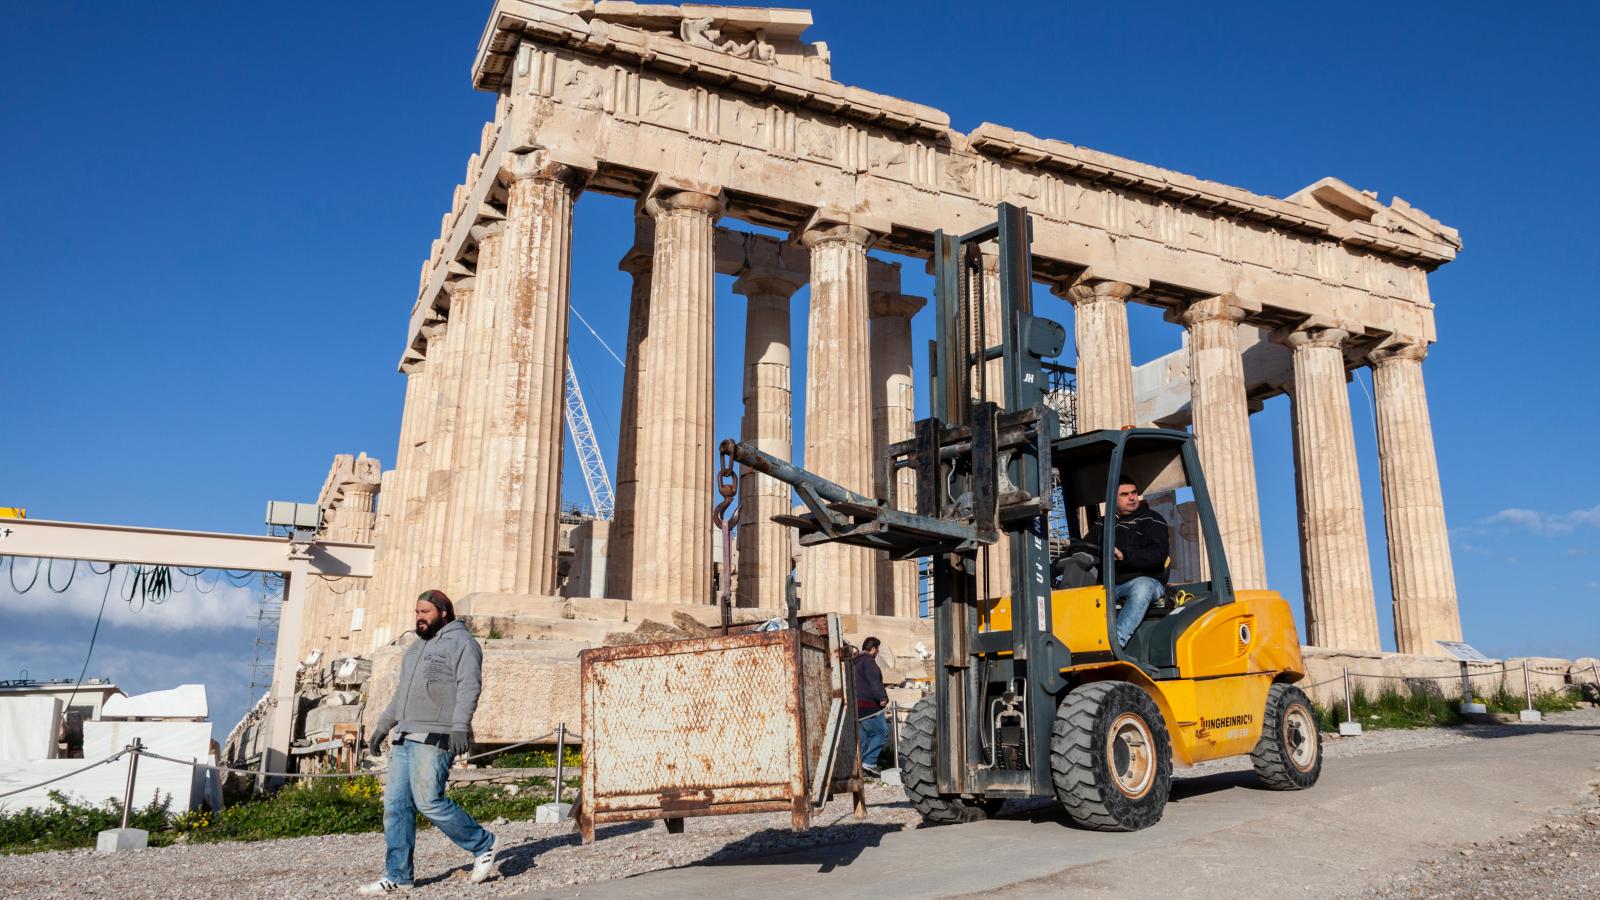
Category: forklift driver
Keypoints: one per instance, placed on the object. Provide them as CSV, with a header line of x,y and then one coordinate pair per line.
x,y
1142,557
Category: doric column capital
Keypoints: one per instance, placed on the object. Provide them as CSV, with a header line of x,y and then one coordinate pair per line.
x,y
1210,309
895,305
457,285
766,283
637,260
488,230
668,200
1396,349
829,226
1297,337
1094,290
538,165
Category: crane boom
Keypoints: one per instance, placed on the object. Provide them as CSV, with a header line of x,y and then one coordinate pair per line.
x,y
595,478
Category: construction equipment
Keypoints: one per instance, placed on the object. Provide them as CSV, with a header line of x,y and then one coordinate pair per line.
x,y
1032,695
592,462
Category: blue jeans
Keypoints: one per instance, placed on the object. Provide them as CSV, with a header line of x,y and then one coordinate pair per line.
x,y
1135,597
417,774
874,734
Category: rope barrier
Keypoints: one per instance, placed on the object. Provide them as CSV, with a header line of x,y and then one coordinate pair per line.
x,y
372,772
112,758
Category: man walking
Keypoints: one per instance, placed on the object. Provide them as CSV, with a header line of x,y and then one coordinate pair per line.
x,y
431,717
871,701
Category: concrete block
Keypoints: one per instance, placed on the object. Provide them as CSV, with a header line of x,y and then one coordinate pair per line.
x,y
114,840
1349,729
552,813
1472,709
1531,715
891,776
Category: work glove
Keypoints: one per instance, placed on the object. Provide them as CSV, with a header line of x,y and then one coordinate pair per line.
x,y
460,742
376,747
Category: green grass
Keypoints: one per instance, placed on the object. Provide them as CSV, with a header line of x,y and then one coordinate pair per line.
x,y
1419,707
536,759
306,808
65,824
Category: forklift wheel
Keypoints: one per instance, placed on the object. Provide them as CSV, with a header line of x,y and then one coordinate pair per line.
x,y
918,775
1111,757
1289,755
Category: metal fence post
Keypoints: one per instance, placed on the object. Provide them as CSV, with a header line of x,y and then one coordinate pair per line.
x,y
1530,714
561,756
134,750
1349,727
894,730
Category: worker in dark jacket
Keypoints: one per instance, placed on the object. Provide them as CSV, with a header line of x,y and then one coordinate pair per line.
x,y
1143,556
431,719
871,701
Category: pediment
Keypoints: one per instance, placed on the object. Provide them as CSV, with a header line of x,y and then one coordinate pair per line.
x,y
1352,205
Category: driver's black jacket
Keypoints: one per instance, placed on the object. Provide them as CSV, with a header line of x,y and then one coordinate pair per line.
x,y
1142,537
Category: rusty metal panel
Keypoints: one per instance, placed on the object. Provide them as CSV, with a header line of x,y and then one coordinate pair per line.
x,y
687,724
711,725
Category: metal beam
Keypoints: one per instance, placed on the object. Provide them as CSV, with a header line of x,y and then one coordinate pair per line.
x,y
45,539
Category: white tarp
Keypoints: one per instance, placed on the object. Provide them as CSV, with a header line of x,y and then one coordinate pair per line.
x,y
29,728
186,701
180,740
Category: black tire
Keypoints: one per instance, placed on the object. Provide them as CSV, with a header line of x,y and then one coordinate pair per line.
x,y
919,777
1288,757
1111,757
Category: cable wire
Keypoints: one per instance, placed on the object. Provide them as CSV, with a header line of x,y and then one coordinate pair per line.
x,y
34,787
93,636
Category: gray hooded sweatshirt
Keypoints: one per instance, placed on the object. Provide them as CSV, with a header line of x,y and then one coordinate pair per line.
x,y
439,682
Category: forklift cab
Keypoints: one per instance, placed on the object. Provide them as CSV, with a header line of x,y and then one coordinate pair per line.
x,y
1166,467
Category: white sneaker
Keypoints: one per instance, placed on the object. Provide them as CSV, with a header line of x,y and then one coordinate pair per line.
x,y
382,888
483,866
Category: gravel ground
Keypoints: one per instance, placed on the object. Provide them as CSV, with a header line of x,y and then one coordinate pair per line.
x,y
545,856
1560,858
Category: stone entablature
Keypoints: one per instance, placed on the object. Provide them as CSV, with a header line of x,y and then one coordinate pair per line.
x,y
636,106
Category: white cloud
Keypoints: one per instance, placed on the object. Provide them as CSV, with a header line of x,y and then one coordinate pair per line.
x,y
199,604
1546,524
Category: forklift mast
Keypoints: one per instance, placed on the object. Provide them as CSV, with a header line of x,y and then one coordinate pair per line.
x,y
983,472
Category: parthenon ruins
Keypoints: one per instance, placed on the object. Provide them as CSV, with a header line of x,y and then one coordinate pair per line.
x,y
713,116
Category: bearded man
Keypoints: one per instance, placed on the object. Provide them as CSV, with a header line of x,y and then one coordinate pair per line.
x,y
431,717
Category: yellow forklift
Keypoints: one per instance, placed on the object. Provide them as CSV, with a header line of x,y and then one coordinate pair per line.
x,y
1032,696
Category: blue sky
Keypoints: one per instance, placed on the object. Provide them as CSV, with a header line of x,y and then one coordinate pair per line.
x,y
215,214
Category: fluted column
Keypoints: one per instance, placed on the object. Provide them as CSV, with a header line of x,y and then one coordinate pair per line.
x,y
768,424
672,519
439,483
1421,574
1105,362
516,532
387,581
1340,610
836,577
893,419
619,546
407,577
354,521
1221,416
473,414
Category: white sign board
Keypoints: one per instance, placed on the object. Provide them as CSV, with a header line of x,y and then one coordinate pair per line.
x,y
1463,652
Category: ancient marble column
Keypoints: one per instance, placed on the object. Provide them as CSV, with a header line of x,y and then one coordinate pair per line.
x,y
473,412
1420,570
439,483
768,424
836,577
1340,610
387,583
407,574
1105,362
516,532
1221,416
675,492
619,548
893,418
